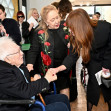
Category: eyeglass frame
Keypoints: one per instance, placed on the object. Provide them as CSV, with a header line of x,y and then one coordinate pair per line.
x,y
15,53
20,16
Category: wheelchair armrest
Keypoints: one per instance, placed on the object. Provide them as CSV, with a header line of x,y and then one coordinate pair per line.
x,y
36,102
17,101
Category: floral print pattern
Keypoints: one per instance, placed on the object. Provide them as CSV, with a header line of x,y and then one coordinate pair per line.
x,y
67,31
46,60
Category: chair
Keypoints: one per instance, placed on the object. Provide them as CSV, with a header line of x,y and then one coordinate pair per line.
x,y
36,102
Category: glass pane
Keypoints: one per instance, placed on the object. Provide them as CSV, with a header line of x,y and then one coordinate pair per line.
x,y
8,1
11,12
11,5
9,8
1,1
6,10
89,10
105,12
8,14
4,3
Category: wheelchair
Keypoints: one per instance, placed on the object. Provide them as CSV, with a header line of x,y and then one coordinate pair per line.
x,y
36,102
31,101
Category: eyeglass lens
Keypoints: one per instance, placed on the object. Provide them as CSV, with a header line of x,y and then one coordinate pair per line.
x,y
20,16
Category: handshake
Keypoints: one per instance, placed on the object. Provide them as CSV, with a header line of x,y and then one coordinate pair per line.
x,y
51,74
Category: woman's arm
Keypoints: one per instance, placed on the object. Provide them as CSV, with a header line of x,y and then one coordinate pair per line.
x,y
33,51
67,63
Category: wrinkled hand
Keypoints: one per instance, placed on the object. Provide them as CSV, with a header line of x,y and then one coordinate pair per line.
x,y
50,76
30,67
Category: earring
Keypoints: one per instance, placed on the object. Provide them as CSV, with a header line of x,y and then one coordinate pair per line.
x,y
46,24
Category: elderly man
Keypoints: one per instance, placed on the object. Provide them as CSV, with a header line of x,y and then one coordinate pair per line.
x,y
15,81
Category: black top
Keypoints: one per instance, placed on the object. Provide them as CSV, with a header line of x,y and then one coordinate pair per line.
x,y
26,34
54,50
60,49
12,29
100,57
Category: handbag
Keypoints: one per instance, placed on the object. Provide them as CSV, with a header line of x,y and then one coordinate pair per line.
x,y
106,81
84,77
25,47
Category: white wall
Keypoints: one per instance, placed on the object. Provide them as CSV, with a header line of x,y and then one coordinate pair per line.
x,y
38,4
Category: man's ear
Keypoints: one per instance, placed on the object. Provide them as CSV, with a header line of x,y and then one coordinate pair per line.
x,y
7,60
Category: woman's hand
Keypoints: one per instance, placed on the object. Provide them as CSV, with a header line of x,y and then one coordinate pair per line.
x,y
68,45
2,29
31,26
36,77
105,70
30,67
58,69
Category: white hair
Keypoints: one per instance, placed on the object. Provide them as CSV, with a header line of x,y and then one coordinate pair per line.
x,y
5,47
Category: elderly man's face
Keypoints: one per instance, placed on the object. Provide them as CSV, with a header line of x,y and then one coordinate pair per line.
x,y
16,56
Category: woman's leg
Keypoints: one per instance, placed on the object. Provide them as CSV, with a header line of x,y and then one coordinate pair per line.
x,y
66,92
89,106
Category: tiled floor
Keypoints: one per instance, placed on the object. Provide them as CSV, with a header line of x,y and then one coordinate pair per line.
x,y
80,103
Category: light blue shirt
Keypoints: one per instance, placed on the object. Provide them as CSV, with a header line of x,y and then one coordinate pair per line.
x,y
33,97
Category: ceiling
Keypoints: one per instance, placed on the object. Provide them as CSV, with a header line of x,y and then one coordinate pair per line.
x,y
89,2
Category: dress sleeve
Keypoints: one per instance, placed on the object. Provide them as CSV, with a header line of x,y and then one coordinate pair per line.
x,y
107,56
70,59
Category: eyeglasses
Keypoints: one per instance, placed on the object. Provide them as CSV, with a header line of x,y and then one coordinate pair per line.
x,y
13,53
21,16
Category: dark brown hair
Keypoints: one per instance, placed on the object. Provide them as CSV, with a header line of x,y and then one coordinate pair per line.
x,y
80,24
64,7
55,4
2,8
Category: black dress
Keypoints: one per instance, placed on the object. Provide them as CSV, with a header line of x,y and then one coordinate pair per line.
x,y
60,52
50,55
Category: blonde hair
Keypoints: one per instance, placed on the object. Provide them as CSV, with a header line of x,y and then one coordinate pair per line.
x,y
45,10
31,11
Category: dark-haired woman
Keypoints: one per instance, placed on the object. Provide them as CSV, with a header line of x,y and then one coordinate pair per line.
x,y
9,26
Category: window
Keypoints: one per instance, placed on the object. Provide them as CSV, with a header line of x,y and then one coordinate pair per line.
x,y
103,10
9,8
88,9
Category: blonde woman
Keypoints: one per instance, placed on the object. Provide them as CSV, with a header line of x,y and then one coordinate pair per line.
x,y
50,46
34,13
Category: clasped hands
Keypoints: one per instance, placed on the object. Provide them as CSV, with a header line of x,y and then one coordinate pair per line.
x,y
51,74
